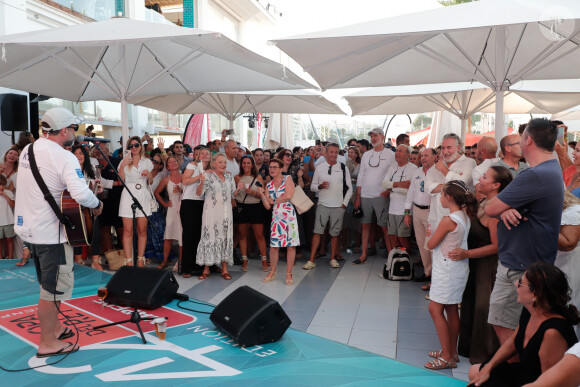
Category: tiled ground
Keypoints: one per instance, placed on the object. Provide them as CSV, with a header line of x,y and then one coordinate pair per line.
x,y
351,305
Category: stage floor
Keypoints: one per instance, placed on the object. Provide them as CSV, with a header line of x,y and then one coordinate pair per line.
x,y
195,352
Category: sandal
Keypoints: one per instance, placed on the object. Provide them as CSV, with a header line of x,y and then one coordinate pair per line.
x,y
186,275
289,281
244,264
163,265
320,255
226,276
23,262
96,264
265,266
357,262
440,364
426,287
203,276
128,261
270,277
66,334
80,262
437,354
141,261
62,351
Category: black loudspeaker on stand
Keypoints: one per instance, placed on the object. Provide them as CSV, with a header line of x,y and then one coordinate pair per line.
x,y
250,317
155,287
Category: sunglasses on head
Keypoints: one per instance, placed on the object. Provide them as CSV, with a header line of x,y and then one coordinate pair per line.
x,y
135,145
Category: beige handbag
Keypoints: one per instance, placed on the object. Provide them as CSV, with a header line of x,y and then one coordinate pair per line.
x,y
300,200
115,258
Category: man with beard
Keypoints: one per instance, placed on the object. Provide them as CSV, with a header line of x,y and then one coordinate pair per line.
x,y
37,224
451,166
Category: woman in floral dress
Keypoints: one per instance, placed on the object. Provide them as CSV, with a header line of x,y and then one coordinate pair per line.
x,y
284,228
217,236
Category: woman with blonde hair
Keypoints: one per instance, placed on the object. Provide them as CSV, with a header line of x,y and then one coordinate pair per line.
x,y
217,235
135,170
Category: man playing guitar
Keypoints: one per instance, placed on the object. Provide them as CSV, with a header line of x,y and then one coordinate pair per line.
x,y
38,225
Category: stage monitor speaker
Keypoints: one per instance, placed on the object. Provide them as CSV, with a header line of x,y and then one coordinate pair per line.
x,y
13,112
143,287
250,317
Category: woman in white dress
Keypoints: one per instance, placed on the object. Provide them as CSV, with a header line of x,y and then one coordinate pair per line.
x,y
568,257
135,170
217,230
173,229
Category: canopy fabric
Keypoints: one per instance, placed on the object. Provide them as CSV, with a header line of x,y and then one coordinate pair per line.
x,y
233,105
86,62
495,42
280,133
465,99
122,60
449,44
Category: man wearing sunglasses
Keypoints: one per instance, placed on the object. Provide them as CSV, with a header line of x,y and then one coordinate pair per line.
x,y
370,195
37,223
417,205
328,180
512,154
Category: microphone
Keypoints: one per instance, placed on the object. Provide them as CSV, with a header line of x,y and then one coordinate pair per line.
x,y
92,139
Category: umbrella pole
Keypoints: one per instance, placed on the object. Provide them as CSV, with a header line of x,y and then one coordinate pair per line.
x,y
499,86
463,129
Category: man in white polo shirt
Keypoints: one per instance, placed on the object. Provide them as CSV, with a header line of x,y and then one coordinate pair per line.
x,y
417,203
37,224
397,181
370,195
329,181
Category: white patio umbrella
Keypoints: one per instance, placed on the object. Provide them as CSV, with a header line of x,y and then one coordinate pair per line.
x,y
465,99
234,105
280,133
123,60
495,42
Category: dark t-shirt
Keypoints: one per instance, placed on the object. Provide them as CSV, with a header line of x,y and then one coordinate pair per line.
x,y
538,194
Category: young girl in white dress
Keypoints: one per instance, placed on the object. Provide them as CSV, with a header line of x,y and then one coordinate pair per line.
x,y
449,277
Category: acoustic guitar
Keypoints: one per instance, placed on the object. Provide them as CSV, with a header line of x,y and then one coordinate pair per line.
x,y
79,232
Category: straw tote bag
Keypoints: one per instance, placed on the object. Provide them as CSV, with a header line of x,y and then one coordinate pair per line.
x,y
300,200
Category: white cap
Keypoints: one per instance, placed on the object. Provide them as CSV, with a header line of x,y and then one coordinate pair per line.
x,y
57,119
377,131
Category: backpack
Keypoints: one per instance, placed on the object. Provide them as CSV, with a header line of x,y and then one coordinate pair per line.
x,y
398,266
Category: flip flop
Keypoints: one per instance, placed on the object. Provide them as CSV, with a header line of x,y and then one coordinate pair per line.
x,y
357,262
320,255
23,262
61,351
67,334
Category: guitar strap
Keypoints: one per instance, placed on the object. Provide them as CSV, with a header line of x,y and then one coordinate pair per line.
x,y
47,195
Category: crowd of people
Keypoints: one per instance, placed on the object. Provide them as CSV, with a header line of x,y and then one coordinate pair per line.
x,y
496,232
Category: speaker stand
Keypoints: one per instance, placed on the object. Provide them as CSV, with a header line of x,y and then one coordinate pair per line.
x,y
135,319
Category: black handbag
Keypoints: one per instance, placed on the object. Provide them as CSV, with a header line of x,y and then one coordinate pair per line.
x,y
240,206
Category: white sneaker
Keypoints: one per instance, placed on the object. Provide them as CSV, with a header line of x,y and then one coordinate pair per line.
x,y
334,263
309,265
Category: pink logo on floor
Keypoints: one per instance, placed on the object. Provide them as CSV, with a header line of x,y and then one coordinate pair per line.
x,y
85,313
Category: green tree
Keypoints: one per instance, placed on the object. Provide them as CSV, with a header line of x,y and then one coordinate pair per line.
x,y
421,122
475,119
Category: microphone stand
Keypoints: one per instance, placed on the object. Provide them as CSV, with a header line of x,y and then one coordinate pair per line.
x,y
135,316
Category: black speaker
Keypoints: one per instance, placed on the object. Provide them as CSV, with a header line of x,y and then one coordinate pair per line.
x,y
13,112
250,317
143,287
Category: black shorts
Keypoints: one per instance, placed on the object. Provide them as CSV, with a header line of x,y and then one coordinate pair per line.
x,y
252,214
